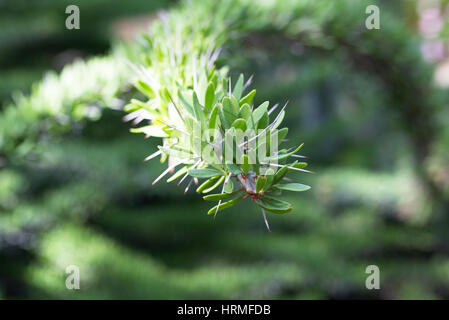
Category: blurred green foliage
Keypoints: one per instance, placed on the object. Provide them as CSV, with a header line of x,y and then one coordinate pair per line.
x,y
83,196
33,36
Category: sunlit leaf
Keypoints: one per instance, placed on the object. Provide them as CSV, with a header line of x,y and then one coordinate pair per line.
x,y
215,185
204,173
150,131
225,205
248,98
261,181
239,124
220,196
229,187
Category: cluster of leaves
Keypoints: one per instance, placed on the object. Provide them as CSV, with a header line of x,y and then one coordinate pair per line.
x,y
80,91
192,105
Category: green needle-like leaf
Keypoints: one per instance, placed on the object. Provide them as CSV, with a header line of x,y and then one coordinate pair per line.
x,y
225,205
245,111
235,169
298,187
207,184
280,174
298,165
248,98
283,155
239,124
145,88
237,92
261,181
199,112
245,164
204,173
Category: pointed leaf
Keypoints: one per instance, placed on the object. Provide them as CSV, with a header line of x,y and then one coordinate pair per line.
x,y
280,174
248,98
219,181
261,180
210,96
237,92
220,196
235,169
229,112
263,122
278,121
225,205
258,113
213,118
239,124
178,174
274,205
283,155
188,106
245,111
204,173
269,174
151,131
229,187
199,113
207,184
299,165
145,88
298,187
282,133
246,167
223,118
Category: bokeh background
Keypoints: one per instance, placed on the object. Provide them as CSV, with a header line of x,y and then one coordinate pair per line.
x,y
85,197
